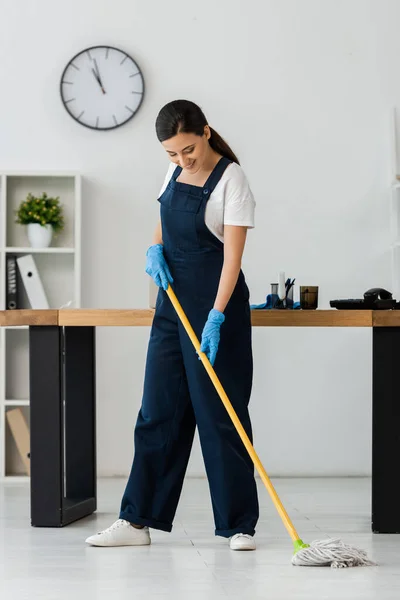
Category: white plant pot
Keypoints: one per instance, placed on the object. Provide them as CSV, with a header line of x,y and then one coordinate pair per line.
x,y
39,236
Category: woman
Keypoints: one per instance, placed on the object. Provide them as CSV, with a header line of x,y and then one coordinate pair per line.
x,y
206,207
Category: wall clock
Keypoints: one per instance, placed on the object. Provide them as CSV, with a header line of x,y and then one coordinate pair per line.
x,y
102,87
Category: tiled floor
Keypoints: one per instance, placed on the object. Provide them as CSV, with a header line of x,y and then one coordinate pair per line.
x,y
190,563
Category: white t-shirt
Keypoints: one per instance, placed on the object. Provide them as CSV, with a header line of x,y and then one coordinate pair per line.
x,y
231,202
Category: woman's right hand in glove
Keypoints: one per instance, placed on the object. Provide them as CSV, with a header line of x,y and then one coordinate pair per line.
x,y
156,266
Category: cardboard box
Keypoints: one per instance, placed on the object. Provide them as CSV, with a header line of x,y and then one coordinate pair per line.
x,y
20,431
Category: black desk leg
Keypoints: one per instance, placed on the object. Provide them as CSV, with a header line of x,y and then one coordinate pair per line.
x,y
386,430
63,424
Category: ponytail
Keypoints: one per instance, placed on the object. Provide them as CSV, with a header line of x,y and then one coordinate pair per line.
x,y
218,144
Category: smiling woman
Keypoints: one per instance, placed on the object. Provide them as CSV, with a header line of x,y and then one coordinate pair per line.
x,y
206,207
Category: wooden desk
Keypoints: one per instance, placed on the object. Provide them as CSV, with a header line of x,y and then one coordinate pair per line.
x,y
63,402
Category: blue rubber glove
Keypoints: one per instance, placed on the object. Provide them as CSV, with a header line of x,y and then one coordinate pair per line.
x,y
210,335
156,266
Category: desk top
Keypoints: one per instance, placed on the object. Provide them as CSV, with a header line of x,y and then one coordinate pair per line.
x,y
143,317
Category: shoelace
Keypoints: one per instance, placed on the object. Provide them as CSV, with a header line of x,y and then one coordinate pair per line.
x,y
242,535
114,526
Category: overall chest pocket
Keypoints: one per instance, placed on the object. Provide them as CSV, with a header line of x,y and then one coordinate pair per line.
x,y
180,215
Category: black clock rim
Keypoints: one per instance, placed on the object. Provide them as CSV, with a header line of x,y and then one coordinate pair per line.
x,y
113,126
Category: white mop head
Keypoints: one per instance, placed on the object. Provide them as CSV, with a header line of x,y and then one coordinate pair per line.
x,y
332,553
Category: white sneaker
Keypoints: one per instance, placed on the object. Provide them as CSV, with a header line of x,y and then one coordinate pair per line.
x,y
242,541
121,533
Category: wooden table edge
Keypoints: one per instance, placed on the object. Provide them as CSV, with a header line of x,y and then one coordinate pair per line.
x,y
98,317
115,317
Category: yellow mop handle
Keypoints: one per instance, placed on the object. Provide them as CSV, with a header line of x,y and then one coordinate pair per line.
x,y
235,420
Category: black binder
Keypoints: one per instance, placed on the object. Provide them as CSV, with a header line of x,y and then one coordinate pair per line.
x,y
11,283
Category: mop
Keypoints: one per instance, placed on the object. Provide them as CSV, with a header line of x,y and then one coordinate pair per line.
x,y
330,552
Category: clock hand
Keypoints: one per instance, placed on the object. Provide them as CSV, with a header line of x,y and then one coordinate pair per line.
x,y
98,75
98,80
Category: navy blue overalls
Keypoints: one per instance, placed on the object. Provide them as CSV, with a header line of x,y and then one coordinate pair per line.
x,y
178,393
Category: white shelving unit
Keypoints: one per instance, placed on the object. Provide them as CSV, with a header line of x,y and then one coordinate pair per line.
x,y
59,267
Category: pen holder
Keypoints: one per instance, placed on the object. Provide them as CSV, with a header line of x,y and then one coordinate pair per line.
x,y
277,302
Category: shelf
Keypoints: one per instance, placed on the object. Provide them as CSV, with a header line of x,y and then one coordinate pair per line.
x,y
59,267
16,403
21,250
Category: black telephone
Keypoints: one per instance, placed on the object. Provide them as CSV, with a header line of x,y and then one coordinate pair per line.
x,y
374,299
377,294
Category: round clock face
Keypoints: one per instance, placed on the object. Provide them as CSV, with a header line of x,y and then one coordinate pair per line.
x,y
102,87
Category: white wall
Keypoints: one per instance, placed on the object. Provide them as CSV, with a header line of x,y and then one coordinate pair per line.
x,y
302,91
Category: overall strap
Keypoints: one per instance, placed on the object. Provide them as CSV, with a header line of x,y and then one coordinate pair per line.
x,y
216,175
177,172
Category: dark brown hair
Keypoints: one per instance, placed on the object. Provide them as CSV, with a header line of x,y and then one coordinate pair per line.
x,y
183,116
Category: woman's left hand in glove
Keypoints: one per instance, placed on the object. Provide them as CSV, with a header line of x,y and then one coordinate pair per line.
x,y
211,335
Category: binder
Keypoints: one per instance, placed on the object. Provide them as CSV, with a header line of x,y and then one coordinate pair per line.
x,y
32,282
11,283
20,431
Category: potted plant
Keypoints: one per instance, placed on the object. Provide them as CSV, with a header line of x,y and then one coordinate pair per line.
x,y
43,216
